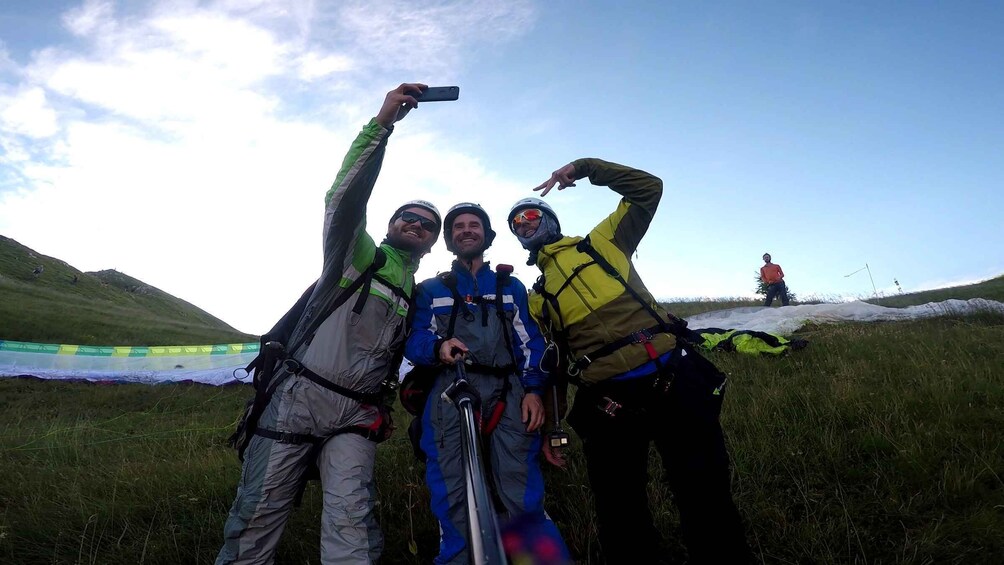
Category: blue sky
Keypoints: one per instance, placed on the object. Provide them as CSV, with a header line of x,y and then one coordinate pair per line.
x,y
180,142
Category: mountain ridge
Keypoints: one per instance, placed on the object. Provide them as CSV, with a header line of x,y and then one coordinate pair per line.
x,y
45,299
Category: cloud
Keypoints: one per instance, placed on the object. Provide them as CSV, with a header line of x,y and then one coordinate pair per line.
x,y
28,113
190,144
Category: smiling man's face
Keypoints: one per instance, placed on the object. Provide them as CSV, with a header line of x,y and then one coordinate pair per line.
x,y
468,236
412,235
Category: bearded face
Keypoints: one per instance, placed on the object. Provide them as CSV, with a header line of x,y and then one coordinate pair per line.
x,y
413,230
468,236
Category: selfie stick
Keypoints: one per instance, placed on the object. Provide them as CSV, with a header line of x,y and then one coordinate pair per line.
x,y
485,536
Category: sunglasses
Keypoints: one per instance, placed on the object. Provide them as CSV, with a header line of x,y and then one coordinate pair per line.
x,y
526,216
427,224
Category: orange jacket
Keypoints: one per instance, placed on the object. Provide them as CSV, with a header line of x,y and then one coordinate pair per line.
x,y
771,273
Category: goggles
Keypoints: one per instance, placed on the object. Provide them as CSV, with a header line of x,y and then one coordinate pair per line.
x,y
527,216
428,225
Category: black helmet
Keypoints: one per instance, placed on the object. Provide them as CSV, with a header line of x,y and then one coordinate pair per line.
x,y
467,208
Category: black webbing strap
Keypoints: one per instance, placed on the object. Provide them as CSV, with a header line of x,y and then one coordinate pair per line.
x,y
571,276
288,437
642,336
586,247
379,259
393,288
298,439
450,281
316,443
673,326
297,368
502,279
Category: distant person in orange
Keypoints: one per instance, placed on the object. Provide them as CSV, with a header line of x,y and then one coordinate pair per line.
x,y
773,276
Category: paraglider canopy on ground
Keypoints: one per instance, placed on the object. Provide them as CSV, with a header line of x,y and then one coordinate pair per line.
x,y
224,364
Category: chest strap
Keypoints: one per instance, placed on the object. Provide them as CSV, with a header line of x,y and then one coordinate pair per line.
x,y
298,369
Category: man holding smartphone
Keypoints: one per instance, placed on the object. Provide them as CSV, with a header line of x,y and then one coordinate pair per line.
x,y
325,408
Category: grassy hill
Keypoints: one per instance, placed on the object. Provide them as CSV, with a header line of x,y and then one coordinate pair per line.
x,y
61,304
879,443
992,289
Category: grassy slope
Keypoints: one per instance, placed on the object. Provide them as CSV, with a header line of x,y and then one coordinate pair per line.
x,y
992,289
102,308
880,443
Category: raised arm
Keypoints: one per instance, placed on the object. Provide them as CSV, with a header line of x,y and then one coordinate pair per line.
x,y
641,193
344,231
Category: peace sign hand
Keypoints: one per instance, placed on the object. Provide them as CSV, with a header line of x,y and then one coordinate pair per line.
x,y
563,177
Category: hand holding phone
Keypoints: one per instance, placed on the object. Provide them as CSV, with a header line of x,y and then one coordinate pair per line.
x,y
437,94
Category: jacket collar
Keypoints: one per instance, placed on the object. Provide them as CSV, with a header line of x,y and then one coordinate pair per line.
x,y
546,254
458,268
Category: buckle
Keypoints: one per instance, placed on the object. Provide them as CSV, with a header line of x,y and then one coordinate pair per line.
x,y
642,336
292,366
609,406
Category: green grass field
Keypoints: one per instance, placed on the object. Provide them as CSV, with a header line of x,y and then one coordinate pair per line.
x,y
879,443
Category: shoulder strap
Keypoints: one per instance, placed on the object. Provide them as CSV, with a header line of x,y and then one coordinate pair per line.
x,y
365,278
549,300
671,326
501,280
379,260
449,280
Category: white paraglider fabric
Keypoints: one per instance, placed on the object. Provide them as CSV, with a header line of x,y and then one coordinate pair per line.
x,y
224,364
788,319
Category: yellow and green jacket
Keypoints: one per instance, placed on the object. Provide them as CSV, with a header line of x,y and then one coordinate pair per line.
x,y
595,309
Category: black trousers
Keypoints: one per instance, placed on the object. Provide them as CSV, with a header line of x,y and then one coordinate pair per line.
x,y
776,289
683,423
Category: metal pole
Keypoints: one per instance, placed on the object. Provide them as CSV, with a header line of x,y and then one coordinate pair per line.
x,y
874,290
485,535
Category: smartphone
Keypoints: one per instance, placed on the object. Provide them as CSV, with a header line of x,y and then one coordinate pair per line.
x,y
438,94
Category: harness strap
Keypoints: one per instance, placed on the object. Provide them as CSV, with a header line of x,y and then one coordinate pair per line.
x,y
367,281
297,368
571,276
316,443
288,437
586,247
673,325
398,291
450,281
642,336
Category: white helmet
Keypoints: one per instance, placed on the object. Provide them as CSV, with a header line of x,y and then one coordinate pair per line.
x,y
527,203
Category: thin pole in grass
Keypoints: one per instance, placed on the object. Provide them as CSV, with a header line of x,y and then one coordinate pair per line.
x,y
866,268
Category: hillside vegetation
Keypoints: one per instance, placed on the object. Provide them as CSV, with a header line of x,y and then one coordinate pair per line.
x,y
62,304
992,289
879,443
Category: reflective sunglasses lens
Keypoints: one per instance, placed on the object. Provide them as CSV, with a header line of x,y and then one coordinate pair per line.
x,y
529,215
411,217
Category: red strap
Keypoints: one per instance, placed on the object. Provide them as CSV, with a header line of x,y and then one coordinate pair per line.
x,y
652,353
495,418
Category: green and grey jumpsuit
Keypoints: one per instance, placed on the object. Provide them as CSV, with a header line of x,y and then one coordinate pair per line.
x,y
350,350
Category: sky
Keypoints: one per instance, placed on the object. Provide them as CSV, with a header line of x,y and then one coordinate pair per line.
x,y
189,144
